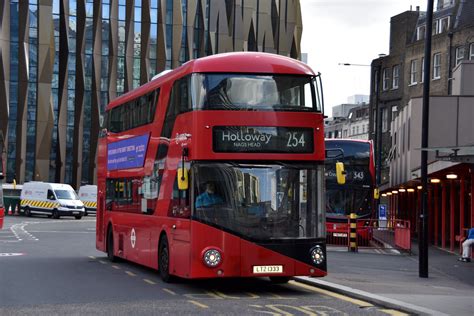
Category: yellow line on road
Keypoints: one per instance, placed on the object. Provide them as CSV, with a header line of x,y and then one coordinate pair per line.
x,y
149,281
332,294
169,291
198,304
130,273
393,312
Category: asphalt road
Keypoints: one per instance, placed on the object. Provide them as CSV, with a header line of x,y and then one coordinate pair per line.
x,y
51,267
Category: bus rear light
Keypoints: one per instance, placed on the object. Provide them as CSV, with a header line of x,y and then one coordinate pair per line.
x,y
212,258
317,255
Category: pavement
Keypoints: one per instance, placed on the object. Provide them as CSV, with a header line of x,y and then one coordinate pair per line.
x,y
391,279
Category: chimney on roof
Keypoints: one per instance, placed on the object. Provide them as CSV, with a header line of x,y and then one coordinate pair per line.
x,y
417,8
411,7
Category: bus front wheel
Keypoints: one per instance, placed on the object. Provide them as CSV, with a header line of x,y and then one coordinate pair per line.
x,y
164,259
27,211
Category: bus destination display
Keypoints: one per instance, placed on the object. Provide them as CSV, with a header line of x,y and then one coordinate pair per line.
x,y
263,139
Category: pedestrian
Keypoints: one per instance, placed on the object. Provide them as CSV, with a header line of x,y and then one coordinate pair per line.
x,y
466,246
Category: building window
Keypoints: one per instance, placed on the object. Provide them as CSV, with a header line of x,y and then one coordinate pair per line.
x,y
384,120
395,76
420,32
422,69
471,51
459,54
445,3
443,25
386,79
437,66
376,81
413,71
435,27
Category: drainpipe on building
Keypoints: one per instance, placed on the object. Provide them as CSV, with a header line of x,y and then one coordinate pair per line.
x,y
450,56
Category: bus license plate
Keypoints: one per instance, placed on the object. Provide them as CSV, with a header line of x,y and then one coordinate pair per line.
x,y
267,269
340,235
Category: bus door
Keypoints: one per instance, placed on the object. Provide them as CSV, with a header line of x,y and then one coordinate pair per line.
x,y
180,212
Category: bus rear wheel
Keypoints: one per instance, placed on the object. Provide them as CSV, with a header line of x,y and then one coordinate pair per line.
x,y
110,246
164,260
279,280
27,211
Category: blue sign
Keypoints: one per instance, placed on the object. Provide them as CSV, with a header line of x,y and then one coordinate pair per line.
x,y
382,211
128,153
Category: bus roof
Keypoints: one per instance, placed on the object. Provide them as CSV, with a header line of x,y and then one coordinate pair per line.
x,y
237,62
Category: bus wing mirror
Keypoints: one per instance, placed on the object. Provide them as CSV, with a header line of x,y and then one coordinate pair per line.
x,y
376,193
183,182
340,173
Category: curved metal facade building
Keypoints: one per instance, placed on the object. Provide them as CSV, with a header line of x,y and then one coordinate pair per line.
x,y
62,61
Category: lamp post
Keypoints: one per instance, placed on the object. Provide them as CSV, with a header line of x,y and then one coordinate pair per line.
x,y
423,238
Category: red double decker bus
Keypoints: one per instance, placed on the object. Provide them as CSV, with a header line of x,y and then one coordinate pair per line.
x,y
216,169
356,195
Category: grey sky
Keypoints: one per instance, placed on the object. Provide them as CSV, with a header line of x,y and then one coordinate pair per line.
x,y
343,31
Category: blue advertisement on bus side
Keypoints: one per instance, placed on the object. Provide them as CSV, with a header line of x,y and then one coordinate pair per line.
x,y
128,153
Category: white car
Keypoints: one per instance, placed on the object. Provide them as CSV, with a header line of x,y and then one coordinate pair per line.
x,y
51,199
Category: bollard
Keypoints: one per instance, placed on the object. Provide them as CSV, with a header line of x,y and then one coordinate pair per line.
x,y
16,210
10,210
353,232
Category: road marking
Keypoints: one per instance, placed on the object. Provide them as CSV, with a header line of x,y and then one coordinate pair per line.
x,y
279,297
392,312
335,295
92,257
11,254
149,281
102,261
169,291
198,304
130,273
116,267
250,295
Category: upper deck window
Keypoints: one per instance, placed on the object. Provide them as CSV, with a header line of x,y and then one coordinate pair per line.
x,y
219,91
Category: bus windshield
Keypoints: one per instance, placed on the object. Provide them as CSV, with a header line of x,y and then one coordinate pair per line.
x,y
260,202
220,91
355,196
343,201
65,195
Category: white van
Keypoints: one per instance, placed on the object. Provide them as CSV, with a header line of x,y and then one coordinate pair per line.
x,y
52,199
88,196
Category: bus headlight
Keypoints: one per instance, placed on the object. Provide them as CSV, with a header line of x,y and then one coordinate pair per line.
x,y
317,255
212,258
